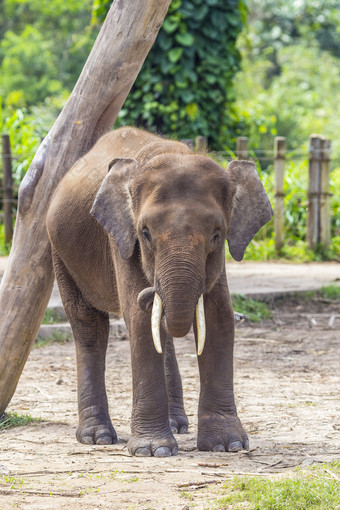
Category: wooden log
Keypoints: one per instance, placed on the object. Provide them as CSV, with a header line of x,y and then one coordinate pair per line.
x,y
313,216
325,218
201,144
123,43
279,167
7,187
242,147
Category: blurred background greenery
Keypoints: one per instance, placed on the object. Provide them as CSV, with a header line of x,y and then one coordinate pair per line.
x,y
219,68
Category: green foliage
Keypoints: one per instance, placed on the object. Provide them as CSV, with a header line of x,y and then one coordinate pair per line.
x,y
25,134
254,309
331,292
290,83
52,316
29,68
43,46
317,488
4,248
9,420
185,86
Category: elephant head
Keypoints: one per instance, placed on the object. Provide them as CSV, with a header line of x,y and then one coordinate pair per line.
x,y
179,208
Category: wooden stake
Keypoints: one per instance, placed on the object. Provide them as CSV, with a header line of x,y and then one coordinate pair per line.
x,y
314,185
325,220
279,167
242,147
124,41
7,187
201,144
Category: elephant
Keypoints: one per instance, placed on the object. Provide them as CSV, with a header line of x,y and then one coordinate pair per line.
x,y
137,228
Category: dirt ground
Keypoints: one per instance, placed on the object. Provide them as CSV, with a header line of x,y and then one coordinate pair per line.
x,y
287,388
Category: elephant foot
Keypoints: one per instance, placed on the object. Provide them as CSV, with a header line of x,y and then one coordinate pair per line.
x,y
153,446
221,433
96,430
178,422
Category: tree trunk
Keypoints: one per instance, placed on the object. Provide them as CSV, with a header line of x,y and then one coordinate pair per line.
x,y
124,41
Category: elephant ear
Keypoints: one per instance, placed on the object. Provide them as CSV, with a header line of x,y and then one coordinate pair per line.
x,y
112,207
250,209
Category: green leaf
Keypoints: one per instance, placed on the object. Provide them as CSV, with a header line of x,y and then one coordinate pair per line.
x,y
170,24
185,39
200,13
187,96
164,41
175,54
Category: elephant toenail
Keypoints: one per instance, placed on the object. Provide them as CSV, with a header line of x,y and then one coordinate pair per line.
x,y
143,452
183,429
174,430
175,451
218,448
236,446
246,445
162,451
87,440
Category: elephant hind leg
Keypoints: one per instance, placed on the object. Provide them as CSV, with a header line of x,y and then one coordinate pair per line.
x,y
178,419
91,331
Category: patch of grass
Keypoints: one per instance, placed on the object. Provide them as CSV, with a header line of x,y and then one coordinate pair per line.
x,y
52,317
11,482
9,420
317,488
255,310
58,337
331,292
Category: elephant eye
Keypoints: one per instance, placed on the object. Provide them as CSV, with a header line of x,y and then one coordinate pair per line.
x,y
216,237
146,234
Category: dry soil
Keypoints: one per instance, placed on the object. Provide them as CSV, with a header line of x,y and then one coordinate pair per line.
x,y
287,389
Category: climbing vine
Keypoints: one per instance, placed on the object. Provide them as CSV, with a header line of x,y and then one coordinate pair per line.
x,y
185,86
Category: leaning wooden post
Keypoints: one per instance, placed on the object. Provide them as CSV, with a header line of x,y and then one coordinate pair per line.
x,y
242,147
124,41
279,167
7,187
313,217
325,220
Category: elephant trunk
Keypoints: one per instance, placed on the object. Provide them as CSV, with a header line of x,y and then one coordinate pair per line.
x,y
180,285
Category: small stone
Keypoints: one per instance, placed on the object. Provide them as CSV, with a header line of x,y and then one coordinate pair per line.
x,y
4,470
59,381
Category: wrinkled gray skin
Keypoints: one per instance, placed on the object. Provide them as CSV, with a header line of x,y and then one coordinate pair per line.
x,y
137,215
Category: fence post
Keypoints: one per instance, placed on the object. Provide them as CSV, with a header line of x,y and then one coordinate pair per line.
x,y
7,187
242,147
314,184
201,144
325,220
279,168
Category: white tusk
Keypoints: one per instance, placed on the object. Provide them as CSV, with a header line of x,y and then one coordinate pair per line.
x,y
156,321
200,323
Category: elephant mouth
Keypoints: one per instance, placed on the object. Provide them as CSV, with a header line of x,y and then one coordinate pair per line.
x,y
149,301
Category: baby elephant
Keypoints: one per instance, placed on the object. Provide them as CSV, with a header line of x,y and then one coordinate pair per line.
x,y
138,228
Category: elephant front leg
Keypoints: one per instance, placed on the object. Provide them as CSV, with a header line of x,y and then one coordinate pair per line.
x,y
219,428
178,419
151,434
